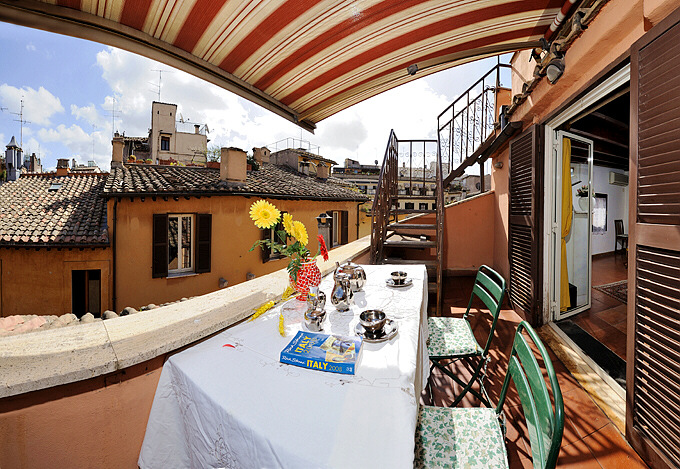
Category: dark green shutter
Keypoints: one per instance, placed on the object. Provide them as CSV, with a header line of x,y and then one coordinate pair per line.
x,y
344,226
159,262
203,242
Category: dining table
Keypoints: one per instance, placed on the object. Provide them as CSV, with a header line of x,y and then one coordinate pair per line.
x,y
229,402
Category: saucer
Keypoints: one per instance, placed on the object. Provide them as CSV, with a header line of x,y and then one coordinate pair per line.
x,y
407,283
388,332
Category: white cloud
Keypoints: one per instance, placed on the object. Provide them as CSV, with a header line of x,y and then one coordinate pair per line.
x,y
30,47
82,146
89,114
39,105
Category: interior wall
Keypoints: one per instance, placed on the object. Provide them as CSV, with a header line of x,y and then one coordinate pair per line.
x,y
617,208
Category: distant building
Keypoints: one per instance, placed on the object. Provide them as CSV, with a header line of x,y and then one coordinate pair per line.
x,y
170,140
90,167
13,160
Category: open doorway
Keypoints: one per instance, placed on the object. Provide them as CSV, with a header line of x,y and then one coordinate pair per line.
x,y
591,198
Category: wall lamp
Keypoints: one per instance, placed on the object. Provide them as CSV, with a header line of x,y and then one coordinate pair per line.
x,y
412,69
554,70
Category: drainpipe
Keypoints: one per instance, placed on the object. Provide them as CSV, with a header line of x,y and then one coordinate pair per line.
x,y
559,19
113,242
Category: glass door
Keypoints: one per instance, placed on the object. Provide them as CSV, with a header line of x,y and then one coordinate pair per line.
x,y
572,259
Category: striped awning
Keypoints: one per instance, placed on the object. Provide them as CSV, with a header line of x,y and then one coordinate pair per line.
x,y
303,59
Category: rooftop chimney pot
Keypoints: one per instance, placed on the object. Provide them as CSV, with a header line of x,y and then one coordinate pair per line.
x,y
233,166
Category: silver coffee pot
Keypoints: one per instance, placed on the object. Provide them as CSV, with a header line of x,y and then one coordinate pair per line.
x,y
342,294
315,314
357,275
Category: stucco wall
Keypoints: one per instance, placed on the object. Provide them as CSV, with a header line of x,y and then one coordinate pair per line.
x,y
233,233
500,181
469,231
39,281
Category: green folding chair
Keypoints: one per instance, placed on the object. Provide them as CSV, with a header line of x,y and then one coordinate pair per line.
x,y
451,339
471,438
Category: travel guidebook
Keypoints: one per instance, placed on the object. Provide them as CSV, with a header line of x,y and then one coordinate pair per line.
x,y
324,352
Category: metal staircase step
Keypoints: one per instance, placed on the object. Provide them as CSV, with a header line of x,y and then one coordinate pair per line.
x,y
416,243
403,211
396,260
404,226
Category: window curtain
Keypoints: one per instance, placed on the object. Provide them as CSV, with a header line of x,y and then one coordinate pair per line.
x,y
567,214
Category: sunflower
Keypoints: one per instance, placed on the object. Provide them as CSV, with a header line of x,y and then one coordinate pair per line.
x,y
264,214
288,223
300,232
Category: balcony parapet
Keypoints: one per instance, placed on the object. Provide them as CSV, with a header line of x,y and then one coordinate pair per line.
x,y
44,359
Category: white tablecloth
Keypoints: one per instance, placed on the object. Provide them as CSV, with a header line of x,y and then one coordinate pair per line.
x,y
229,402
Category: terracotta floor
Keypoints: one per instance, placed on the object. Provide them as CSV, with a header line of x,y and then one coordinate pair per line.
x,y
606,318
590,440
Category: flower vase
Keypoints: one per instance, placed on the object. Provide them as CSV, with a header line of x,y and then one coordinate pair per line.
x,y
309,275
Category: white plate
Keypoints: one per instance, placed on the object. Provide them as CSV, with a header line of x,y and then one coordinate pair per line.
x,y
407,283
389,331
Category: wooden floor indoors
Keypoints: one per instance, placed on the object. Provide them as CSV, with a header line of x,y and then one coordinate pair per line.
x,y
590,439
606,318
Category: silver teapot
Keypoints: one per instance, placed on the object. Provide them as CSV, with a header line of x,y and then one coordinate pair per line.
x,y
342,294
357,275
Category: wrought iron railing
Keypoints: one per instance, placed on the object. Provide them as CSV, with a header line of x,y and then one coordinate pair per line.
x,y
385,191
472,118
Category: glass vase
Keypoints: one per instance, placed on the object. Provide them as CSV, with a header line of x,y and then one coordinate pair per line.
x,y
309,275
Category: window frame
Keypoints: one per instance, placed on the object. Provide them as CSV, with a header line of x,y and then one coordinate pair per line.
x,y
165,138
192,237
268,254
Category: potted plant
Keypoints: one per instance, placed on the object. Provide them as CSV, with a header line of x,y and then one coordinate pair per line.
x,y
583,201
132,159
252,163
302,268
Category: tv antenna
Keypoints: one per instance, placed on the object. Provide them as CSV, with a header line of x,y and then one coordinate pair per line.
x,y
94,127
157,87
22,122
113,113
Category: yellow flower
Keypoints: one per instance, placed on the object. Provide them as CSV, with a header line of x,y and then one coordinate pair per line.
x,y
288,223
264,214
282,329
300,232
262,309
287,293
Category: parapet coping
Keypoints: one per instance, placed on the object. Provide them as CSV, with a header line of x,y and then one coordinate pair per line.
x,y
44,359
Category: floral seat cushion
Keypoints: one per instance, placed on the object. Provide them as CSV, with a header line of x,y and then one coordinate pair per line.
x,y
459,438
450,337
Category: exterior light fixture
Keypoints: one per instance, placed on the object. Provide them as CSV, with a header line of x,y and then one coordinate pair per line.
x,y
498,164
554,70
323,219
412,69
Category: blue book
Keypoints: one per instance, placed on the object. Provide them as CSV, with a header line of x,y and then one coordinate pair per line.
x,y
323,352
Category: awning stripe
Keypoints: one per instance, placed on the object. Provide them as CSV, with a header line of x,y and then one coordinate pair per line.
x,y
134,13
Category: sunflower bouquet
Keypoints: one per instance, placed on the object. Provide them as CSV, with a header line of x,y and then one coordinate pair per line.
x,y
266,216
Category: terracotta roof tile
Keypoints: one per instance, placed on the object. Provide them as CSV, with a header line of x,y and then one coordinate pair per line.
x,y
269,180
74,214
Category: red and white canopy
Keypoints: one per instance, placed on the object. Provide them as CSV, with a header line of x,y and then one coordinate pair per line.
x,y
303,59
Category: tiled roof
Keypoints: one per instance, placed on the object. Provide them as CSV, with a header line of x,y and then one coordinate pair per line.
x,y
269,181
73,214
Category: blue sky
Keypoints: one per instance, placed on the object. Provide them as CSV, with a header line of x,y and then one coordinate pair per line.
x,y
69,86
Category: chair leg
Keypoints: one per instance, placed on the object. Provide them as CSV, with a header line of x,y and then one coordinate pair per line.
x,y
478,375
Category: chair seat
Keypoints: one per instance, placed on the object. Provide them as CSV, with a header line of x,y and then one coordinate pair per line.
x,y
457,438
450,337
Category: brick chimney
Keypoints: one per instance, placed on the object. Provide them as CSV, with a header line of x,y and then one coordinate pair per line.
x,y
261,155
322,171
233,165
117,153
62,167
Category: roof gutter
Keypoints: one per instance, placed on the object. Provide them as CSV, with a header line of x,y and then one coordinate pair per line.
x,y
223,194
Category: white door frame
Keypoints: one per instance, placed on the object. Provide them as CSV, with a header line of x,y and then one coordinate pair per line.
x,y
551,164
557,218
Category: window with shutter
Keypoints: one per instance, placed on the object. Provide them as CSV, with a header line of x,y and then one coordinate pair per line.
x,y
524,239
653,375
344,231
273,235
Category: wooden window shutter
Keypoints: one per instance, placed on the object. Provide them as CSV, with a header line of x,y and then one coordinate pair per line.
x,y
203,242
344,226
330,241
525,214
653,372
266,250
159,262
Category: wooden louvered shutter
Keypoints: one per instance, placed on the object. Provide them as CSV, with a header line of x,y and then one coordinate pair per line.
x,y
524,239
203,242
159,262
344,227
653,373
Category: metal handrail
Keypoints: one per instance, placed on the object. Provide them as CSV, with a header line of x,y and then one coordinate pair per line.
x,y
385,190
467,122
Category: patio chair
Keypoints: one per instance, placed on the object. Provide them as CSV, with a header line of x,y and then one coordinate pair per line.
x,y
452,340
474,437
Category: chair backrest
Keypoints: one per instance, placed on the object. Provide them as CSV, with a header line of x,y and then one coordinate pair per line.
x,y
545,425
618,227
490,288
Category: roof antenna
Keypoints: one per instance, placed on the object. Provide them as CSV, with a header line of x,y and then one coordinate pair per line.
x,y
22,122
160,78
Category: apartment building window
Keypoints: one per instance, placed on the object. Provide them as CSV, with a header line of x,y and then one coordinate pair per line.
x,y
273,235
422,206
165,143
408,205
339,229
86,287
181,244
